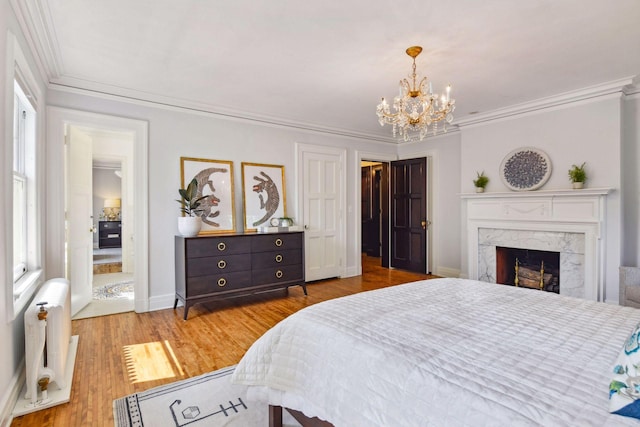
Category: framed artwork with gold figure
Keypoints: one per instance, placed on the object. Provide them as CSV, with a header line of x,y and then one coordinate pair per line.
x,y
263,194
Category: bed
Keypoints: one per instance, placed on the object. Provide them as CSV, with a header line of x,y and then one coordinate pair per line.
x,y
443,352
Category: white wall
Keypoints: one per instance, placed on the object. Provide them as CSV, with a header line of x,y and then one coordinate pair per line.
x,y
174,133
631,181
584,131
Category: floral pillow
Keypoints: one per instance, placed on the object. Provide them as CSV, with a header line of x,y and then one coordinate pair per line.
x,y
624,390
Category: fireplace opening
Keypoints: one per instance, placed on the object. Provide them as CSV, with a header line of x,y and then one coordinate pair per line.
x,y
528,268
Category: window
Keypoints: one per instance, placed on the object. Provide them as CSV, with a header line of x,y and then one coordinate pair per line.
x,y
23,117
24,144
24,222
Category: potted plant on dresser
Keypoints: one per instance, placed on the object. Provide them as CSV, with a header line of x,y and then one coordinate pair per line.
x,y
190,223
578,175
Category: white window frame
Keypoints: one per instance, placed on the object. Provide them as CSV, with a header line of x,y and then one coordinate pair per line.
x,y
23,114
18,73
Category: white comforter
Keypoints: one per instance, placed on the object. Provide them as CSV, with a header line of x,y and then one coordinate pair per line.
x,y
444,352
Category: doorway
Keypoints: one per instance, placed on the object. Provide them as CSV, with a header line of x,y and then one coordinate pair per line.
x,y
133,202
375,210
112,268
400,226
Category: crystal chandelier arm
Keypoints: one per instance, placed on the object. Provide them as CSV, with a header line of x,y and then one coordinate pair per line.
x,y
423,83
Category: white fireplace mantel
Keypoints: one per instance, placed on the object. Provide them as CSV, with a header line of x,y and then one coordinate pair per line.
x,y
579,212
539,193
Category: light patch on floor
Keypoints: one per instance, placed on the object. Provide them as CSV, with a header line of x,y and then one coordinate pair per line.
x,y
151,361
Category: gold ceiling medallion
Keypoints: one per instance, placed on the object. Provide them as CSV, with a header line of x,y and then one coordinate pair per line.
x,y
416,108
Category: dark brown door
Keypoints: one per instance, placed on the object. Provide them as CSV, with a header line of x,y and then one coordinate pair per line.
x,y
408,214
371,176
384,214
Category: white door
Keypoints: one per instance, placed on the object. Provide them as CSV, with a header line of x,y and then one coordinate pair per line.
x,y
80,225
323,189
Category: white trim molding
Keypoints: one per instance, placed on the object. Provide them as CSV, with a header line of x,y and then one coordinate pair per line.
x,y
57,120
34,18
615,88
17,68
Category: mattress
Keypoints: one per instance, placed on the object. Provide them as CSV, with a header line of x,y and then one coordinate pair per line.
x,y
444,352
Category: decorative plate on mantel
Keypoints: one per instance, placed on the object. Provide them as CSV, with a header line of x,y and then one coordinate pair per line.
x,y
525,169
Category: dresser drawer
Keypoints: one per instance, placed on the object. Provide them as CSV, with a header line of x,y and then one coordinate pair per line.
x,y
276,258
203,285
217,265
208,246
110,225
286,273
273,242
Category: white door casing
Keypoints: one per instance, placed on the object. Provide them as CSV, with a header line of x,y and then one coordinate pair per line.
x,y
57,119
322,210
79,224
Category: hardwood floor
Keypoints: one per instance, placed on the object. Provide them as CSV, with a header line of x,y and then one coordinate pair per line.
x,y
215,335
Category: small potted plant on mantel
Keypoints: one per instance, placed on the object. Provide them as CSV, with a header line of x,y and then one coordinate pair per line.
x,y
190,224
578,175
480,182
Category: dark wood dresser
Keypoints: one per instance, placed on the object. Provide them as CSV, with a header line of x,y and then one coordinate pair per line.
x,y
109,234
231,265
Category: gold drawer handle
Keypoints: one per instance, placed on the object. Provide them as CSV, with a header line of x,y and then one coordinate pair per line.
x,y
222,246
278,242
279,274
222,281
278,258
222,263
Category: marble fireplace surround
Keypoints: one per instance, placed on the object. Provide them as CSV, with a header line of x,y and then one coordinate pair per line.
x,y
571,222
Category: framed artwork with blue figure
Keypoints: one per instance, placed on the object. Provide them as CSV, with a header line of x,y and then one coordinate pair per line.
x,y
263,194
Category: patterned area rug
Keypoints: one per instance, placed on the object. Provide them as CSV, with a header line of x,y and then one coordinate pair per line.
x,y
207,400
114,290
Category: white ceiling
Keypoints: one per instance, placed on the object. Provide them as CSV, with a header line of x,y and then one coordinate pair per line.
x,y
326,64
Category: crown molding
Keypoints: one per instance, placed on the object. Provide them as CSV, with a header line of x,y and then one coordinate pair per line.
x,y
97,90
111,92
619,87
34,18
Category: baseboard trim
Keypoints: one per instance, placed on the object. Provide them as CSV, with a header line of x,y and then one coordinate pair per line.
x,y
351,272
10,398
447,272
162,302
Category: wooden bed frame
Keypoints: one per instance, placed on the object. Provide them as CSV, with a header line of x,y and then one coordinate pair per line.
x,y
275,418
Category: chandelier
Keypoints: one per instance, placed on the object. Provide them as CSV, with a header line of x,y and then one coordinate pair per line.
x,y
417,108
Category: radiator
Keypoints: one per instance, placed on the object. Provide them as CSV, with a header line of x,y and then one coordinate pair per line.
x,y
47,339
